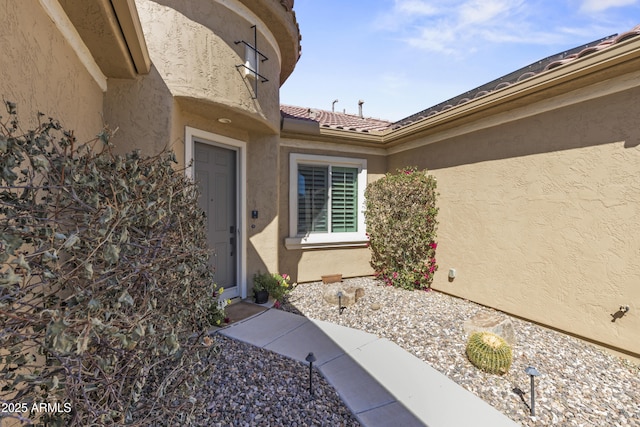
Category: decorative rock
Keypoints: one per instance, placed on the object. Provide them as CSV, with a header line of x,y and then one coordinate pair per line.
x,y
375,306
491,322
350,294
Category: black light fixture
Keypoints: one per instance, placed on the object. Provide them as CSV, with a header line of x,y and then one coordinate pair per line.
x,y
340,307
532,372
310,358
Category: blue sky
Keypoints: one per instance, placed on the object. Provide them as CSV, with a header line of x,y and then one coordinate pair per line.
x,y
403,56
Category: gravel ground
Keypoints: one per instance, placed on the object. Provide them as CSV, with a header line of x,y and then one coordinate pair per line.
x,y
251,386
580,384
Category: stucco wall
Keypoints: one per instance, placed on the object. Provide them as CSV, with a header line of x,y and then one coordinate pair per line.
x,y
540,217
263,164
39,71
192,45
142,110
310,264
194,82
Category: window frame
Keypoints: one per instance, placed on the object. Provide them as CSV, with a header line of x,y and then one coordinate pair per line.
x,y
327,239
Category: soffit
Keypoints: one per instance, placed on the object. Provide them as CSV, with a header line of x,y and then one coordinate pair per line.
x,y
239,119
101,29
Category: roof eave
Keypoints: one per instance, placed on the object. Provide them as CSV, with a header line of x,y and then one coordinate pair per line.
x,y
598,66
131,27
324,134
111,32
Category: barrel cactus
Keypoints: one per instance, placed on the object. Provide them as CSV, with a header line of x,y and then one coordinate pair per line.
x,y
489,352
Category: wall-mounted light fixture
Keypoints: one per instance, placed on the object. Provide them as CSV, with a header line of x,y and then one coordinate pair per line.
x,y
252,59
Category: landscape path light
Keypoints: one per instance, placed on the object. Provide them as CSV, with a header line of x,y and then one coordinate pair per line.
x,y
340,307
532,372
310,358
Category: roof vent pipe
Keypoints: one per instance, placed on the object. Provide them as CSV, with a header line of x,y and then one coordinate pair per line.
x,y
333,106
360,108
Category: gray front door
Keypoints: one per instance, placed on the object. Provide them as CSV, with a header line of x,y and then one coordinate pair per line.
x,y
215,173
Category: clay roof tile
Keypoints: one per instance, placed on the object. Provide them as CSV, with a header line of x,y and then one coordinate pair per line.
x,y
366,124
335,120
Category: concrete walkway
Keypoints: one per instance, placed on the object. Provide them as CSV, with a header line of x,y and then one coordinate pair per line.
x,y
380,383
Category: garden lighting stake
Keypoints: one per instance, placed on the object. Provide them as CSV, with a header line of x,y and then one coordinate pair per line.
x,y
532,372
310,358
340,307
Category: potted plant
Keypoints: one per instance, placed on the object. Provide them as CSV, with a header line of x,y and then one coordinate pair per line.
x,y
262,282
274,285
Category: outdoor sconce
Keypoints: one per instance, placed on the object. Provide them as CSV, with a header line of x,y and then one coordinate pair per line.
x,y
532,372
624,309
253,57
310,358
452,273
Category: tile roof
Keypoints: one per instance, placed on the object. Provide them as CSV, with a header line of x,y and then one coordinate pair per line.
x,y
330,119
362,124
546,64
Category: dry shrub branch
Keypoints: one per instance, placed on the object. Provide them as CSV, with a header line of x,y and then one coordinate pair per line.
x,y
105,288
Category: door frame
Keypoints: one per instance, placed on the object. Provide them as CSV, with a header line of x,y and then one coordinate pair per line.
x,y
193,135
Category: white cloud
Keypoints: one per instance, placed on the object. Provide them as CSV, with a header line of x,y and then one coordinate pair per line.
x,y
458,28
483,12
601,5
446,26
416,7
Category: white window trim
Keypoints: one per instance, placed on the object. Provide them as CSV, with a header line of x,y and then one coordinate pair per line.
x,y
324,240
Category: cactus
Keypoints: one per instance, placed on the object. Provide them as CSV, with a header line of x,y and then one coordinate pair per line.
x,y
489,352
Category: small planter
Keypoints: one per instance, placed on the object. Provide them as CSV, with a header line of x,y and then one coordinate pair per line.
x,y
261,297
331,278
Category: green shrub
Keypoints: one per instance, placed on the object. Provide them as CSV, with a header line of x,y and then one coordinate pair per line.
x,y
401,225
105,286
276,284
489,352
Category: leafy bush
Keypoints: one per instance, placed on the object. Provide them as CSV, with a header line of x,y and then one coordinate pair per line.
x,y
105,287
276,284
401,224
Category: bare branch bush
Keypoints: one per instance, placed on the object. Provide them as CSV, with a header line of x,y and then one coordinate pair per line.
x,y
106,293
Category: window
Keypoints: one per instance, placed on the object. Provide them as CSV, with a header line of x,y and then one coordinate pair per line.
x,y
326,201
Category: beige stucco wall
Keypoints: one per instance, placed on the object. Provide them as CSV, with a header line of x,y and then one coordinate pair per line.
x,y
192,46
39,71
194,55
142,112
310,264
193,83
539,216
263,164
